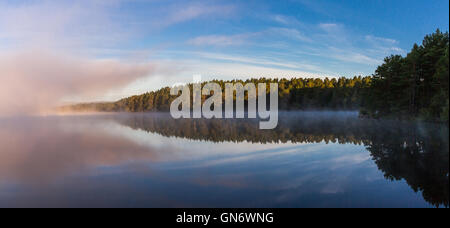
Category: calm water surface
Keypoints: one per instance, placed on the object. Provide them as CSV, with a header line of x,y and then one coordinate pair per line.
x,y
312,159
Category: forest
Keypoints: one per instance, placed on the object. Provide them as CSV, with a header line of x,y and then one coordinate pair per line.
x,y
410,87
293,94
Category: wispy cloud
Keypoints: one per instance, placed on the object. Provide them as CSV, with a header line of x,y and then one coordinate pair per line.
x,y
243,71
352,56
334,33
375,39
341,44
259,61
186,11
250,38
220,40
60,24
93,24
330,27
384,46
286,20
330,41
290,33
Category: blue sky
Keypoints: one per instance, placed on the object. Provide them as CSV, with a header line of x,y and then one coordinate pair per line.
x,y
323,37
225,39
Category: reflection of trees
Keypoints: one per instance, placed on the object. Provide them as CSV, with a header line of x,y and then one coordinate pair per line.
x,y
419,154
307,129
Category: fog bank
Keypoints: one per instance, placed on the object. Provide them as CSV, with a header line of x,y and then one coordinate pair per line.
x,y
34,81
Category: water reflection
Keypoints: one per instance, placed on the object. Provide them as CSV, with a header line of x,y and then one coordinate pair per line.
x,y
417,153
145,160
40,150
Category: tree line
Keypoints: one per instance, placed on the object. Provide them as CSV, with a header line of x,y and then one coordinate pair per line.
x,y
293,94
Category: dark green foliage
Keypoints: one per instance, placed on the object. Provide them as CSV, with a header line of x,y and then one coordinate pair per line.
x,y
294,94
415,86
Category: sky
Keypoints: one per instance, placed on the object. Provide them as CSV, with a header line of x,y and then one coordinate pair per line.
x,y
63,46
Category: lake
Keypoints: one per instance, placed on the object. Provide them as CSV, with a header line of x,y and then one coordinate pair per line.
x,y
312,159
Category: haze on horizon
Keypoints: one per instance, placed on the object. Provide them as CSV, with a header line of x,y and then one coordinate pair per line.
x,y
53,52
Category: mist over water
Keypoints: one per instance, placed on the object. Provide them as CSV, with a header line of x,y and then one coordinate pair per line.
x,y
312,159
36,81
